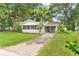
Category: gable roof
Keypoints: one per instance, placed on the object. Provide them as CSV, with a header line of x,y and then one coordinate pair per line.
x,y
32,22
51,24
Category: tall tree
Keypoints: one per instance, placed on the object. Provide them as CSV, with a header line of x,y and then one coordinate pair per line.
x,y
22,11
68,10
43,13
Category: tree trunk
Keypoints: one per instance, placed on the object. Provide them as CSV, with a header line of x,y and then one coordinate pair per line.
x,y
73,25
14,24
39,30
3,25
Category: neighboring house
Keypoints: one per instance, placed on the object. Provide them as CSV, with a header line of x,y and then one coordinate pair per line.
x,y
31,26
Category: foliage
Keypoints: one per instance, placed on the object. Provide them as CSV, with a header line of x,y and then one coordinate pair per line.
x,y
61,28
72,46
12,13
19,28
69,13
40,26
42,13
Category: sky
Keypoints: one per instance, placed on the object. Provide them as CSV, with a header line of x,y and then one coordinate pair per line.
x,y
45,4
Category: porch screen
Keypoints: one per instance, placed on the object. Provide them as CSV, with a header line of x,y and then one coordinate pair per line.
x,y
29,26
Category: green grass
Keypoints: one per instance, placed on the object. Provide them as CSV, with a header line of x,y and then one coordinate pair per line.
x,y
56,46
13,38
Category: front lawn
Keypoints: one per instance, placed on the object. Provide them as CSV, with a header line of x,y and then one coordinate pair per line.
x,y
56,46
12,38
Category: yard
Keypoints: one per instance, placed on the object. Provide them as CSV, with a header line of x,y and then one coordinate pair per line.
x,y
56,46
12,38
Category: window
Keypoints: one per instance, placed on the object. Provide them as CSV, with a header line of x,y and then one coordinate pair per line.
x,y
29,26
24,26
33,26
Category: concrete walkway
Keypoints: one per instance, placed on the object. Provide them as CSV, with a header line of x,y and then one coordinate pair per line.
x,y
29,48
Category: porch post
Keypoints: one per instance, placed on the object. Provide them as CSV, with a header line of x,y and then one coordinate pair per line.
x,y
49,28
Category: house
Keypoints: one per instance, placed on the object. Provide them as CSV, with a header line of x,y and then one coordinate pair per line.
x,y
31,26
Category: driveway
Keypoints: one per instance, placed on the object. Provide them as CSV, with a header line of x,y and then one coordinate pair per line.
x,y
29,48
7,53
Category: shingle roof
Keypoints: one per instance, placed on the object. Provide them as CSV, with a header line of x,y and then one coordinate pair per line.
x,y
32,22
51,24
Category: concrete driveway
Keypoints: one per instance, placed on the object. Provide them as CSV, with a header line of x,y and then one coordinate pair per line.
x,y
7,53
29,48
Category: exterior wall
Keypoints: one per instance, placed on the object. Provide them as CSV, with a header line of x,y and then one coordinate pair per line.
x,y
30,31
50,29
35,30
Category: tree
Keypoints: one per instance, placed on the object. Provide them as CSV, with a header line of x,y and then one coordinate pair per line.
x,y
69,12
3,16
14,13
40,26
43,13
18,12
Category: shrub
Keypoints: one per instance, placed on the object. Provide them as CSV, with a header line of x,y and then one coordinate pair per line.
x,y
19,28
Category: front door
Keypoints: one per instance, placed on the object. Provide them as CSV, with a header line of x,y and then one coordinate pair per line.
x,y
50,29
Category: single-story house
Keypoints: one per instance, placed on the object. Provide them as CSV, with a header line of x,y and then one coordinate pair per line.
x,y
31,26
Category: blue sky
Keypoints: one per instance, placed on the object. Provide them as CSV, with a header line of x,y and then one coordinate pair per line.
x,y
46,4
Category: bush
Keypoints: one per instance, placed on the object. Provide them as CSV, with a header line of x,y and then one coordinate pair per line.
x,y
19,28
72,45
61,28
